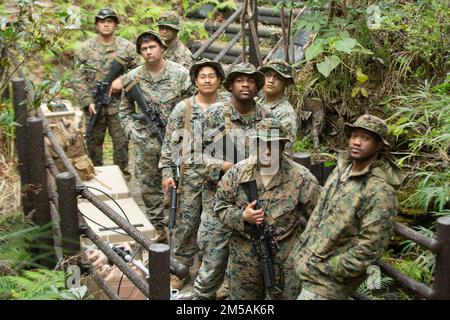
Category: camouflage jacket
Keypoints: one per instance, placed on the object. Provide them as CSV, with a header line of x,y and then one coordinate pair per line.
x,y
171,148
164,92
293,191
240,127
179,53
94,59
348,230
282,109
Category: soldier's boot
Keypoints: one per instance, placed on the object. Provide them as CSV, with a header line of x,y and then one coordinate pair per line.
x,y
177,283
161,234
191,295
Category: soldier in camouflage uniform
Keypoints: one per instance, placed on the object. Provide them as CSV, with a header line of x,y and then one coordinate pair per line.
x,y
353,221
169,25
163,84
95,57
235,119
286,191
207,77
278,76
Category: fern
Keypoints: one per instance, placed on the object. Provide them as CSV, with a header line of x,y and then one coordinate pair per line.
x,y
192,30
18,235
37,284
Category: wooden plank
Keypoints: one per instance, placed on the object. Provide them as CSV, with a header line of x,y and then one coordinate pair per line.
x,y
218,32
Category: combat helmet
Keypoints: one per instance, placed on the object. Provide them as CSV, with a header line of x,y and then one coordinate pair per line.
x,y
247,69
106,13
170,19
281,67
370,123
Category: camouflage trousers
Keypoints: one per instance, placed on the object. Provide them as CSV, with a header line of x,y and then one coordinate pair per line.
x,y
119,140
213,237
149,176
246,279
188,218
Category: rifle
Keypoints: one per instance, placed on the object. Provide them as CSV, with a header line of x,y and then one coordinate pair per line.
x,y
173,202
101,95
155,123
263,243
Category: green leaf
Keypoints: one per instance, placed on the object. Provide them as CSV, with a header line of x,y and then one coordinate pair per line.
x,y
361,77
313,51
363,51
355,91
345,45
326,66
364,92
55,88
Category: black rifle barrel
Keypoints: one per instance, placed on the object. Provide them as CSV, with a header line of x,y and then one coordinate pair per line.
x,y
260,239
155,123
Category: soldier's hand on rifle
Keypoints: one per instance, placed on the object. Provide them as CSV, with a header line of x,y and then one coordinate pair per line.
x,y
226,166
116,86
92,109
167,183
253,216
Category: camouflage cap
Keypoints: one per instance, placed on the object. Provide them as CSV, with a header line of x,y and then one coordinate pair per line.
x,y
106,13
370,123
247,69
281,67
206,62
269,129
152,34
170,19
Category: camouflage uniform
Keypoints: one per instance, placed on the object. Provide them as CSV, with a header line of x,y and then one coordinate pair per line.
x,y
163,91
293,191
281,108
213,236
95,59
190,205
178,52
332,255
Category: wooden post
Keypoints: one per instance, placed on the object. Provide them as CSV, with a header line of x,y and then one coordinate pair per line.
x,y
37,165
303,158
254,54
441,285
68,215
158,267
20,117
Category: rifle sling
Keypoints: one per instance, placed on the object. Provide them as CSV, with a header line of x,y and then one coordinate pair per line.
x,y
186,133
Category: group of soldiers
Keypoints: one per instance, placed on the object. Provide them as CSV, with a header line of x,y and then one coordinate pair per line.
x,y
226,131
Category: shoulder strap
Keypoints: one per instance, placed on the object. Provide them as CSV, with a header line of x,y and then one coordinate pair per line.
x,y
136,80
186,134
227,116
227,122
